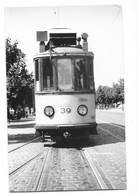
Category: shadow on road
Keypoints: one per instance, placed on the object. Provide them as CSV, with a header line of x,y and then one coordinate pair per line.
x,y
20,138
94,140
19,130
21,123
21,126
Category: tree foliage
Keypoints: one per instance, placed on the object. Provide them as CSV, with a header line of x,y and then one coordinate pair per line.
x,y
19,80
109,96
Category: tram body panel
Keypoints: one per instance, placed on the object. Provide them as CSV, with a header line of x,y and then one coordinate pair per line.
x,y
65,109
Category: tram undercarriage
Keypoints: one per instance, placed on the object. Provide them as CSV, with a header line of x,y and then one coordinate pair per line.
x,y
67,132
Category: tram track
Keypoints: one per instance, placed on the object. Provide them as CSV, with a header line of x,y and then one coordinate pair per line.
x,y
25,164
117,125
99,175
45,180
112,124
62,169
27,143
43,169
19,156
120,138
115,130
91,177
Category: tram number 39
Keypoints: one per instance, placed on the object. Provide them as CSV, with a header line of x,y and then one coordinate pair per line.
x,y
65,111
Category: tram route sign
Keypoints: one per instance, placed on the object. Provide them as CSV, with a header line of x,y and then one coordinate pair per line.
x,y
59,39
42,36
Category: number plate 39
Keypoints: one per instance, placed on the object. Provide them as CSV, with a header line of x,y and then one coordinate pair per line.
x,y
65,110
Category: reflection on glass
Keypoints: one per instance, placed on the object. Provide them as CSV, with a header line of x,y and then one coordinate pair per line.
x,y
74,73
47,74
80,69
64,74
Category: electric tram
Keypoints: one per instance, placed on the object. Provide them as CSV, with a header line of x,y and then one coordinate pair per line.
x,y
64,86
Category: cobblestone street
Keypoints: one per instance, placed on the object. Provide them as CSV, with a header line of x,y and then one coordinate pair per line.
x,y
62,167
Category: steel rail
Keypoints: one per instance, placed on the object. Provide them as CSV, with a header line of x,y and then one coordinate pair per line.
x,y
97,175
41,172
115,125
24,144
116,136
26,163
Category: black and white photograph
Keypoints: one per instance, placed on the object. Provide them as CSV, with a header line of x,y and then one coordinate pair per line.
x,y
65,98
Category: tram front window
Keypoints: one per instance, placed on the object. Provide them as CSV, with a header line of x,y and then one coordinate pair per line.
x,y
47,74
64,70
37,75
75,73
81,73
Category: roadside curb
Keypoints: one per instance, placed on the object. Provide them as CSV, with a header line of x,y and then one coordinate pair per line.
x,y
112,110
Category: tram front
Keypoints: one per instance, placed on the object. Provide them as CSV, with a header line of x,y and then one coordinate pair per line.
x,y
65,93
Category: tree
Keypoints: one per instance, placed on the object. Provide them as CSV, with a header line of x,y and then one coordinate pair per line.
x,y
19,80
121,95
107,96
100,95
118,89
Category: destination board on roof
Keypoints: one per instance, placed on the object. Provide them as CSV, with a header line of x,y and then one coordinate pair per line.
x,y
41,35
63,39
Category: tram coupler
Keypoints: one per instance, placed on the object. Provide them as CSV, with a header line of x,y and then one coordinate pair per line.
x,y
66,135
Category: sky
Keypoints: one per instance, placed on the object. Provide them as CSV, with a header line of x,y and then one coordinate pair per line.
x,y
103,24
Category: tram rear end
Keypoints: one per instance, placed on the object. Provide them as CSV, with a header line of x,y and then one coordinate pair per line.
x,y
64,90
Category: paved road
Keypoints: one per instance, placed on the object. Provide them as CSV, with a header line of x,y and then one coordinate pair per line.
x,y
110,116
107,152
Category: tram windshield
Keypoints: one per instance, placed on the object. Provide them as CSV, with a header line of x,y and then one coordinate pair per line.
x,y
81,73
65,74
64,69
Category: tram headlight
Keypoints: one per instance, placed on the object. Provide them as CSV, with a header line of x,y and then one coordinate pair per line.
x,y
82,110
49,111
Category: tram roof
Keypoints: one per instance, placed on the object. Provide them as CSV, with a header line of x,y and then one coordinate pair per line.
x,y
64,51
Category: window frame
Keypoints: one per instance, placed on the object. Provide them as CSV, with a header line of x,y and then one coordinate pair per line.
x,y
89,73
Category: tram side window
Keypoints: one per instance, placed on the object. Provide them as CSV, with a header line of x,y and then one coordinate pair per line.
x,y
47,74
81,73
37,75
91,74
